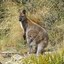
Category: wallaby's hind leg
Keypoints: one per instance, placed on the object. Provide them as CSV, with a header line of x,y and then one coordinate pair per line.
x,y
32,47
40,48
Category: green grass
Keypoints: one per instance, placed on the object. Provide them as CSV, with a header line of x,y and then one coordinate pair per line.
x,y
53,58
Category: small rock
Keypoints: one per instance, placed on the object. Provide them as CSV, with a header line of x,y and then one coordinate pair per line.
x,y
16,57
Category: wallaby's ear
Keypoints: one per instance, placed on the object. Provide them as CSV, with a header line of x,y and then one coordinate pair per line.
x,y
24,11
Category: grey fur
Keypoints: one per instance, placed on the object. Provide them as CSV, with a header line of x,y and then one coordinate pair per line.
x,y
36,36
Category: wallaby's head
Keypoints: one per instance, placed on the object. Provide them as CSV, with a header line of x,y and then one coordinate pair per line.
x,y
22,16
23,19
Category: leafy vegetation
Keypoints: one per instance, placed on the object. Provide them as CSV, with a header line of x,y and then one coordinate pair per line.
x,y
53,58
